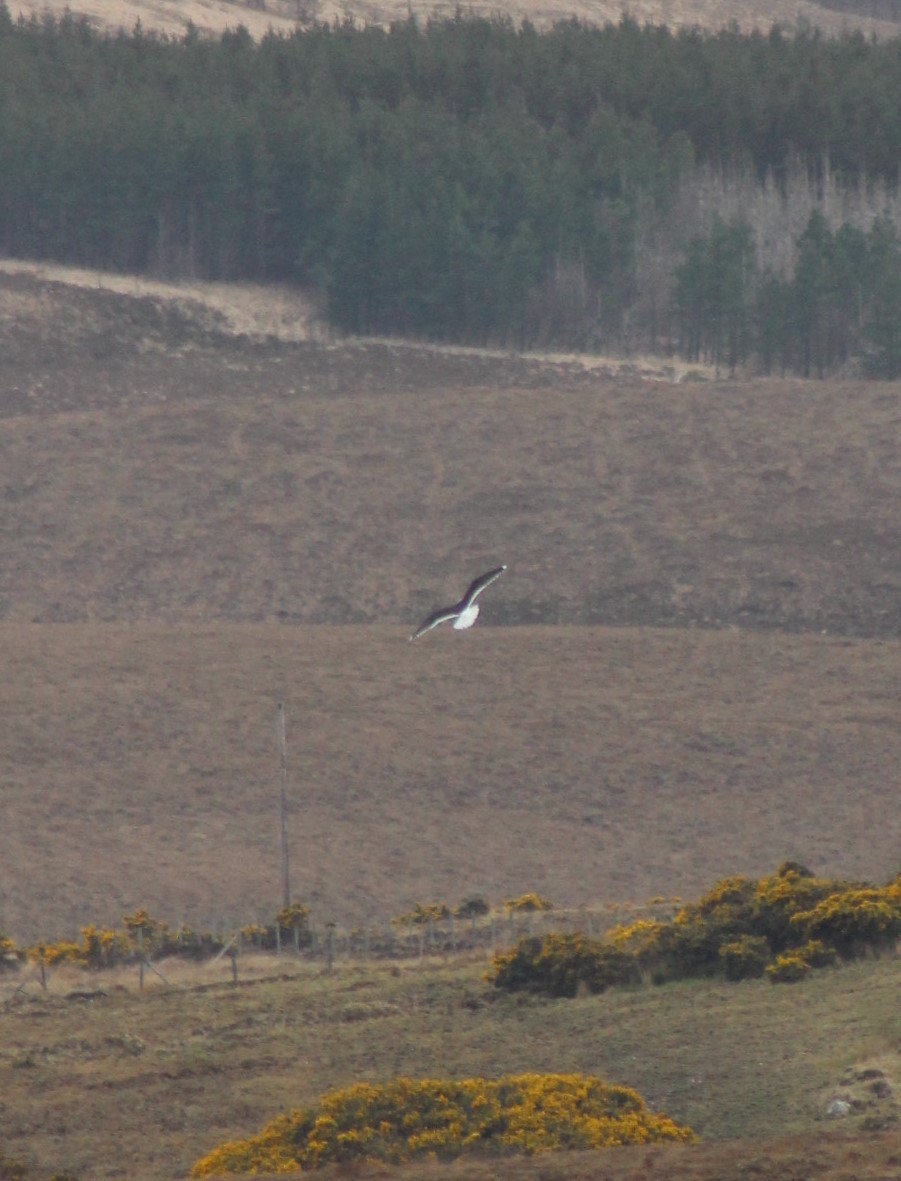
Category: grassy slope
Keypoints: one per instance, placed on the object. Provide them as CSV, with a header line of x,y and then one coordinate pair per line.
x,y
146,1083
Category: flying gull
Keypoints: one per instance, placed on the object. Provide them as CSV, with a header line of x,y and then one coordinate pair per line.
x,y
463,613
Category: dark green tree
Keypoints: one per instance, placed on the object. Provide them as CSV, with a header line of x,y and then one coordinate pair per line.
x,y
882,325
712,295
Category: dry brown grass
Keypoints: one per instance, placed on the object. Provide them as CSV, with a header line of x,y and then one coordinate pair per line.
x,y
140,766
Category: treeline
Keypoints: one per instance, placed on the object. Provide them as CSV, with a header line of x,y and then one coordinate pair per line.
x,y
463,179
842,301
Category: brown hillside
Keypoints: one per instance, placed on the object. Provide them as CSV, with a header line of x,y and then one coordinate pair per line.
x,y
180,505
139,766
155,471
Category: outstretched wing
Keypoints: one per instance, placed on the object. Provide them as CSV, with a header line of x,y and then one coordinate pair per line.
x,y
478,584
439,616
462,610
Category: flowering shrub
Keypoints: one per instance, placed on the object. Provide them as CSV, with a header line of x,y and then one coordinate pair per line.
x,y
559,965
527,902
818,954
99,948
294,921
409,1118
8,953
791,890
735,929
787,968
640,940
855,921
145,935
291,925
746,958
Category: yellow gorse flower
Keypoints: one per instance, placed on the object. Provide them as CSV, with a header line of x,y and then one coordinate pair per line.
x,y
408,1118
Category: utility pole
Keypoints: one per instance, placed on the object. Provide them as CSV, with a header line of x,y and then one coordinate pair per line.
x,y
283,804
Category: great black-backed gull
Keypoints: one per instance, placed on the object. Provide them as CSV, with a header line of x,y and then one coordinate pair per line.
x,y
463,613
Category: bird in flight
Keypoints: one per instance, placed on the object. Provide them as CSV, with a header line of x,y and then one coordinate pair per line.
x,y
463,613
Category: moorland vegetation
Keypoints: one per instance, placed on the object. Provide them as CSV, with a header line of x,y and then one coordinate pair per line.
x,y
729,195
782,925
391,1116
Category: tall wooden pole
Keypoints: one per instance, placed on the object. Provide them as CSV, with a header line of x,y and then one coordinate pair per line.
x,y
283,804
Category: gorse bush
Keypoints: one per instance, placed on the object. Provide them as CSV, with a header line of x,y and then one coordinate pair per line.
x,y
788,968
562,965
746,958
292,925
794,965
855,921
8,953
527,903
408,1118
144,935
737,929
422,914
98,948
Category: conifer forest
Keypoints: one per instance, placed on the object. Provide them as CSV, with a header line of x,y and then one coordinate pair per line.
x,y
729,197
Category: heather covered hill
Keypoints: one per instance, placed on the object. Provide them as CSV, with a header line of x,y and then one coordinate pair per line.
x,y
594,765
155,472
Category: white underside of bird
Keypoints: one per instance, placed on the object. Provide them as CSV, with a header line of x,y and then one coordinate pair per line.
x,y
465,612
467,618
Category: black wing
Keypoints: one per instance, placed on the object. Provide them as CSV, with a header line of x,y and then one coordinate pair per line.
x,y
439,616
478,584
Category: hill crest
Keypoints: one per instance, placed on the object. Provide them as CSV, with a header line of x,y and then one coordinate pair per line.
x,y
215,16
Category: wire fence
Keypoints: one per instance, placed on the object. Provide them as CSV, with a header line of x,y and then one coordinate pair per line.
x,y
330,944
